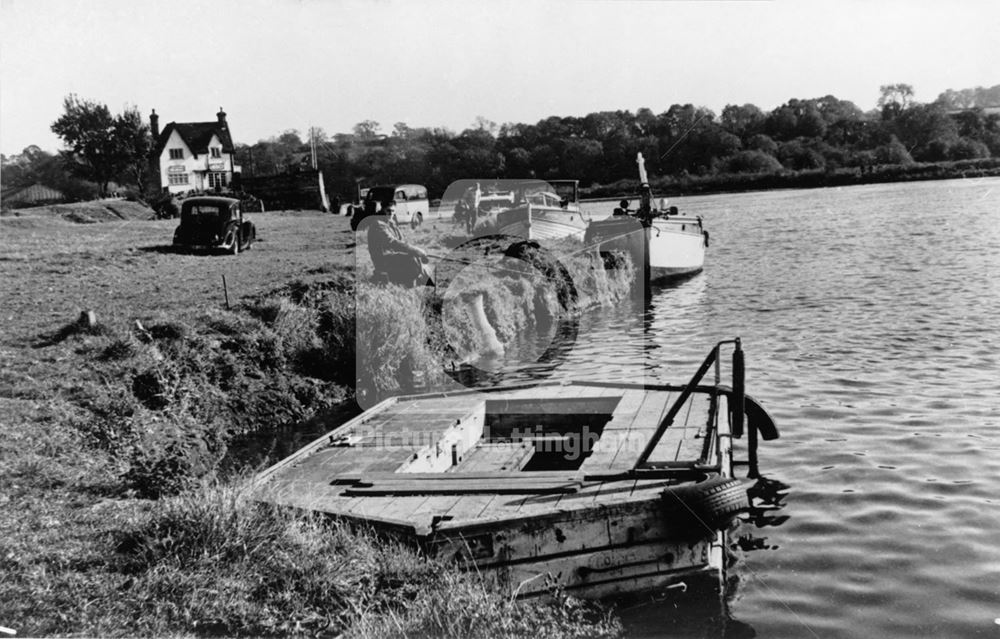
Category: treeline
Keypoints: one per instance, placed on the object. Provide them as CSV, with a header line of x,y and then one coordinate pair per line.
x,y
690,144
684,145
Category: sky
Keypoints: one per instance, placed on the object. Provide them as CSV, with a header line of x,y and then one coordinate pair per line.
x,y
275,65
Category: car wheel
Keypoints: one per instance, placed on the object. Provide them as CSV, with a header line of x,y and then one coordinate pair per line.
x,y
417,219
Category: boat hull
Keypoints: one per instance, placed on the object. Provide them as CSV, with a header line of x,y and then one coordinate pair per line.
x,y
542,223
672,247
595,553
676,247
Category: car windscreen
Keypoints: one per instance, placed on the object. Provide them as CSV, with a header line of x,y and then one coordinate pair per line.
x,y
380,194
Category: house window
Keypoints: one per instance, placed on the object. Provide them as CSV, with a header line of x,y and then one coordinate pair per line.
x,y
216,152
216,180
176,154
178,178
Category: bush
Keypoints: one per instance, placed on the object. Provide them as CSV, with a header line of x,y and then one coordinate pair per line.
x,y
893,153
967,149
164,205
753,162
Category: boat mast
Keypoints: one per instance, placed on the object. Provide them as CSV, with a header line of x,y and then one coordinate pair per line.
x,y
645,193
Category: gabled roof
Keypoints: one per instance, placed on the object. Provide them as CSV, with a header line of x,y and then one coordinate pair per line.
x,y
197,135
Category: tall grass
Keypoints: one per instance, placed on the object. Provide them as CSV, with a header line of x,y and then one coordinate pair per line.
x,y
214,561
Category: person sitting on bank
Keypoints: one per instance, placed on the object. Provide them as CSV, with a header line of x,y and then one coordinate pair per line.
x,y
402,263
622,208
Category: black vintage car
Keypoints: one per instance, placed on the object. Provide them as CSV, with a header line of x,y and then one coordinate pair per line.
x,y
214,223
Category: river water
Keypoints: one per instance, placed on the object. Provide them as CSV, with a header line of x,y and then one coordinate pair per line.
x,y
869,316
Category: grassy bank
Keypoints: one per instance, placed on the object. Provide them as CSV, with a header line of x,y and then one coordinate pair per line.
x,y
112,431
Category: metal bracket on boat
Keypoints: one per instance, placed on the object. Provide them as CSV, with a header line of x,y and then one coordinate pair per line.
x,y
690,388
737,402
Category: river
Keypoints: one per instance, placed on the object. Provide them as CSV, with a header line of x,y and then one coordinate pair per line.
x,y
869,317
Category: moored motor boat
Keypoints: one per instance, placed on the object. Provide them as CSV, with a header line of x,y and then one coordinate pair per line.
x,y
544,211
669,245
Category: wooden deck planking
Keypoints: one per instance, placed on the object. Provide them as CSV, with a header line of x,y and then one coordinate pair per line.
x,y
495,458
623,447
626,410
470,507
433,507
323,466
680,442
617,430
396,508
613,492
445,486
306,483
503,507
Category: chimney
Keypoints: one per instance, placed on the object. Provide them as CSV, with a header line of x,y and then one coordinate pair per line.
x,y
154,124
222,116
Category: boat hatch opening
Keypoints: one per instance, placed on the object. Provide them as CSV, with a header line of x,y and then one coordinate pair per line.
x,y
562,433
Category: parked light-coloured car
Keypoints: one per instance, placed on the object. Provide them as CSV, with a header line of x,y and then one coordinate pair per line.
x,y
412,205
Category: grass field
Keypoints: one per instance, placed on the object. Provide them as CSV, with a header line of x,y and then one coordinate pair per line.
x,y
113,518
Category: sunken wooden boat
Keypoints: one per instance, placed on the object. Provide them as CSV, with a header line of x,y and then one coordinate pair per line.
x,y
599,489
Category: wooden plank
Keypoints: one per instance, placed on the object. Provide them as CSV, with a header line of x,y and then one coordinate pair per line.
x,y
612,438
326,464
470,507
628,444
432,511
428,487
651,413
500,457
625,413
396,508
321,442
462,477
680,442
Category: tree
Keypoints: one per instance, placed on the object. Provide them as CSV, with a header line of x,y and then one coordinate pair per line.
x,y
102,147
136,145
920,125
367,130
894,99
743,121
484,124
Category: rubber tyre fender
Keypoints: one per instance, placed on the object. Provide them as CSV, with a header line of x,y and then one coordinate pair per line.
x,y
708,505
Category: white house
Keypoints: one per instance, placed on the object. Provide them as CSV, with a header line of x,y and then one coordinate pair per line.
x,y
193,156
